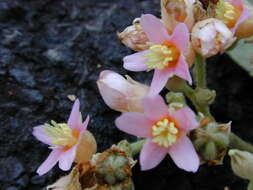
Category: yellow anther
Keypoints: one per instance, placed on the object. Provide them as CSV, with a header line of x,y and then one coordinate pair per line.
x,y
165,132
61,134
162,56
227,13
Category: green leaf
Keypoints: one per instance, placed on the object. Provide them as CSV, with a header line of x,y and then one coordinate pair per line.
x,y
242,54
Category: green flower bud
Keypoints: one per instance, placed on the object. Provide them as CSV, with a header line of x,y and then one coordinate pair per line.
x,y
212,140
205,96
242,163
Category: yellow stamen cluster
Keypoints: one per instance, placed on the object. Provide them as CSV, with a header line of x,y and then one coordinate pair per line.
x,y
61,134
227,13
162,56
165,132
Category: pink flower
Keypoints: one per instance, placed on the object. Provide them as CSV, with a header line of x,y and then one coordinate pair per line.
x,y
63,139
165,56
232,13
120,94
165,132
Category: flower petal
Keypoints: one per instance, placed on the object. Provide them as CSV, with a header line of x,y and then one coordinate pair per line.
x,y
154,29
151,155
186,118
85,124
155,107
67,158
40,133
74,120
184,154
135,124
182,70
244,15
180,37
159,80
135,62
50,162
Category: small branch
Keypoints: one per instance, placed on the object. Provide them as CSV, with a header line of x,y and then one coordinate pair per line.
x,y
236,142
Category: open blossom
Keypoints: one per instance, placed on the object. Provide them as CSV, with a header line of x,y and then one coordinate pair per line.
x,y
165,132
165,56
63,139
124,95
210,37
232,13
177,11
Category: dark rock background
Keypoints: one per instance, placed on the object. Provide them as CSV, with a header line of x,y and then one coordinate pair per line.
x,y
52,48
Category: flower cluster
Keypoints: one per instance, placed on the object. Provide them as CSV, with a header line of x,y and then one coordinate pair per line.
x,y
187,32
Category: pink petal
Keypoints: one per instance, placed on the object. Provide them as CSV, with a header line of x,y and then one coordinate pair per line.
x,y
244,15
182,70
40,133
135,124
135,62
85,124
74,120
159,80
186,118
67,158
50,162
184,154
238,3
180,37
155,107
154,29
151,155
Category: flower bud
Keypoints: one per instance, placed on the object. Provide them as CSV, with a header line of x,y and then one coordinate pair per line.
x,y
86,148
124,95
205,97
176,11
134,37
210,37
242,163
108,170
211,141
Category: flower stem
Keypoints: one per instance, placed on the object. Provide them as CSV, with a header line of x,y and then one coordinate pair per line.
x,y
250,186
137,146
236,142
200,72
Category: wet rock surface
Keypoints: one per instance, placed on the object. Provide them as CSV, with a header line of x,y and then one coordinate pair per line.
x,y
50,49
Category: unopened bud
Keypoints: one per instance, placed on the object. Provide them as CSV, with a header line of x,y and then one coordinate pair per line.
x,y
242,163
177,11
211,141
210,37
134,37
205,96
124,95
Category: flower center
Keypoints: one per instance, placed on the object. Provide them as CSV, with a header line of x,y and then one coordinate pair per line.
x,y
162,56
165,132
228,13
61,134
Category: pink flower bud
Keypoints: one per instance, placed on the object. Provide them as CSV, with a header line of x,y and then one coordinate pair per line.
x,y
134,37
210,37
121,94
177,11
